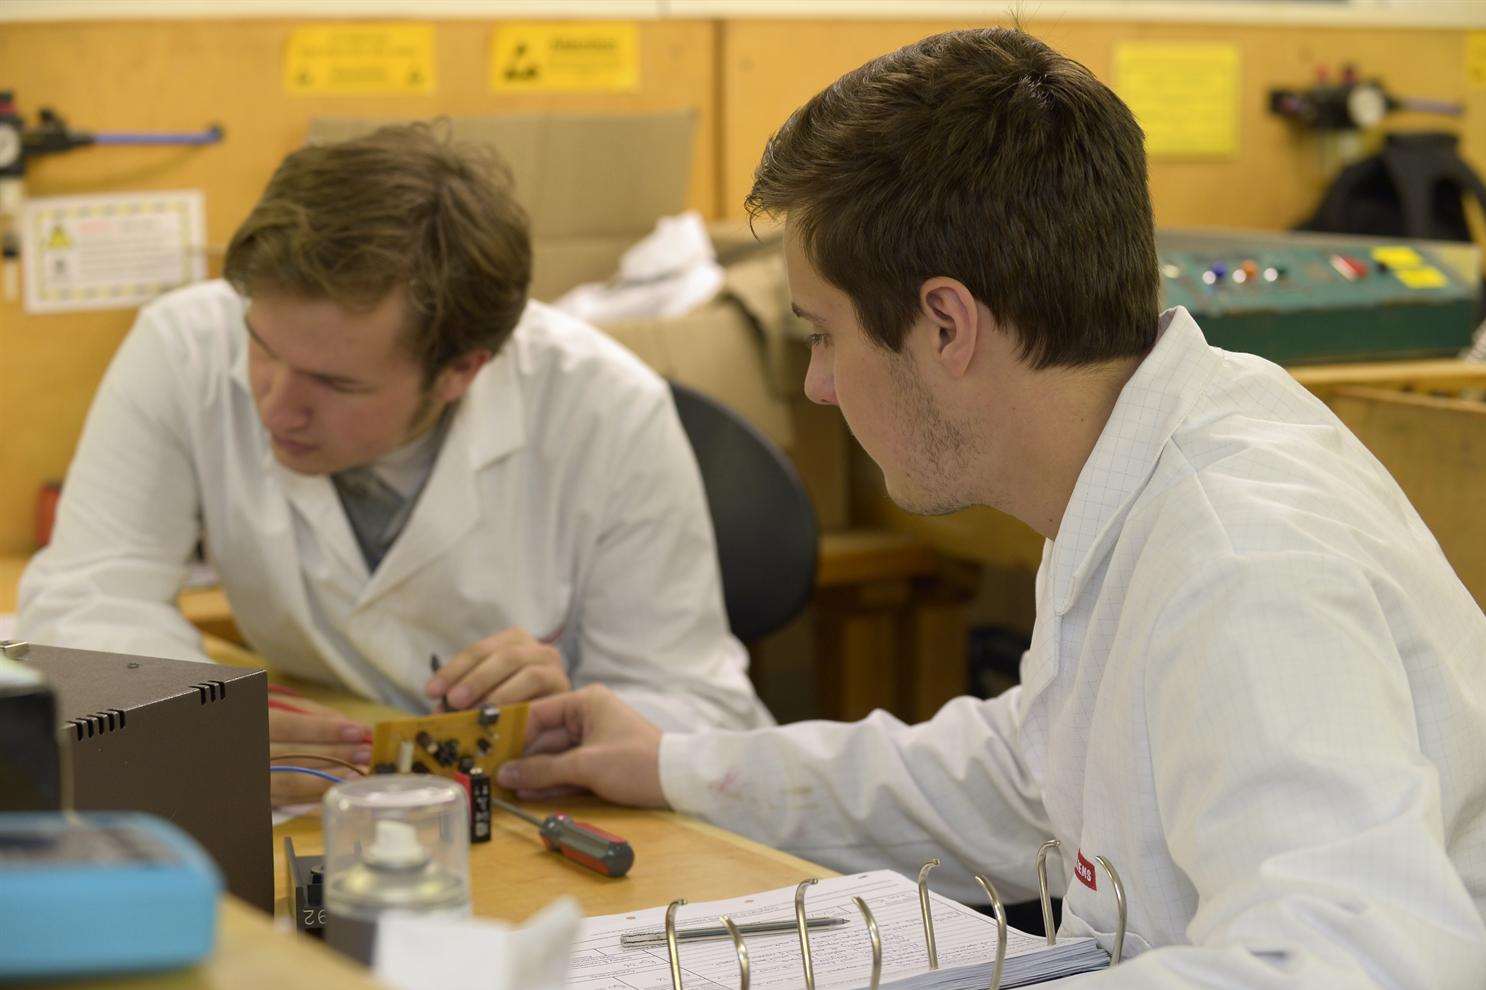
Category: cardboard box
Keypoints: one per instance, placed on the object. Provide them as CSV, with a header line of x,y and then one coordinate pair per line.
x,y
595,184
592,184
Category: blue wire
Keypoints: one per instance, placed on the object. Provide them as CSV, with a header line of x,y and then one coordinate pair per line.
x,y
281,768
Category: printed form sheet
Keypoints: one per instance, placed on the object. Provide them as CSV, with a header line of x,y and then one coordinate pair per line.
x,y
842,955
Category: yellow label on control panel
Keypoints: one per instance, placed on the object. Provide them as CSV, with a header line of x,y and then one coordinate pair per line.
x,y
360,60
1397,257
1423,277
579,57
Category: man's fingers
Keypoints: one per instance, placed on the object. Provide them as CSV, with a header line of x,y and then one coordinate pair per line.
x,y
458,666
562,712
551,741
550,793
533,681
293,727
490,672
543,772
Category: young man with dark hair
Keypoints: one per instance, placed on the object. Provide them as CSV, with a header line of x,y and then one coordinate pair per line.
x,y
389,454
1255,685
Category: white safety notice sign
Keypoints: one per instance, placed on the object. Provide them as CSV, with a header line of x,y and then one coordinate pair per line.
x,y
110,251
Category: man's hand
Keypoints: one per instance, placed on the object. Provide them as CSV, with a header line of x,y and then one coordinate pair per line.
x,y
502,669
588,740
317,730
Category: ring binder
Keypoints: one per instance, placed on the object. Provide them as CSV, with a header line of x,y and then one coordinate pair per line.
x,y
923,907
740,948
967,959
1119,892
996,906
805,959
674,956
1047,904
1000,911
671,949
1048,928
876,938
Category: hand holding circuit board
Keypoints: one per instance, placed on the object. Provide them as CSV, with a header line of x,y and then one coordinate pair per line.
x,y
469,747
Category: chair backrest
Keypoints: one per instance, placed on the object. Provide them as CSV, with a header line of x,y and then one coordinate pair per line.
x,y
767,537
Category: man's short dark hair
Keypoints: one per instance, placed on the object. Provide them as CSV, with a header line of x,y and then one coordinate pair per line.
x,y
404,206
983,156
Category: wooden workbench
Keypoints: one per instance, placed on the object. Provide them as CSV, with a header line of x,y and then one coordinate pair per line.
x,y
511,878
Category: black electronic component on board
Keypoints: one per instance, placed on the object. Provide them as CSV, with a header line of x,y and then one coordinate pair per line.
x,y
489,715
479,805
306,883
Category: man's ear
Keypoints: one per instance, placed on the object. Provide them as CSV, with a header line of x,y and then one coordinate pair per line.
x,y
455,377
954,320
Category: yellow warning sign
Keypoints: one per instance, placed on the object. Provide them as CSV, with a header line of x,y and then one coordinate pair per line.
x,y
360,60
1475,59
58,239
558,57
1185,96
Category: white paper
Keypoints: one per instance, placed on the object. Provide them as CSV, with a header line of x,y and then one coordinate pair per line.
x,y
842,955
7,625
110,251
416,953
670,272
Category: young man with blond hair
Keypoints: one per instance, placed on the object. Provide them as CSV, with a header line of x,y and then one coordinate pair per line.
x,y
1255,685
390,453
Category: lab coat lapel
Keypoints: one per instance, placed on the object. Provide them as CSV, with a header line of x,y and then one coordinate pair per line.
x,y
488,425
314,498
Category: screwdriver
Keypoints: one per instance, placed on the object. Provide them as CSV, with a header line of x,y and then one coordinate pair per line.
x,y
585,844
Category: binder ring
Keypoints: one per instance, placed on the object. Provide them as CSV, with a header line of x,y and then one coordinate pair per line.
x,y
804,932
1000,911
671,950
739,948
923,909
1047,902
1119,892
876,938
996,906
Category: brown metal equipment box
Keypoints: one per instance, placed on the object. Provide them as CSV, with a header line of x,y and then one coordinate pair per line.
x,y
183,740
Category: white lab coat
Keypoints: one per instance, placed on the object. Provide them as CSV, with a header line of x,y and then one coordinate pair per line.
x,y
1255,685
566,497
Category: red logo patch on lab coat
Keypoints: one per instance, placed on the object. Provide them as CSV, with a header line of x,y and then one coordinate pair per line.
x,y
1085,871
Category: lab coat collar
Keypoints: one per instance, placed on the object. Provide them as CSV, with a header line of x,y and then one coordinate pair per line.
x,y
489,424
1151,406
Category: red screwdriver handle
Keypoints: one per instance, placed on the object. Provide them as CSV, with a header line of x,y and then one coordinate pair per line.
x,y
588,845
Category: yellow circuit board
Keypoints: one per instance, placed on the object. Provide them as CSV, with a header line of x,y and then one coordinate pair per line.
x,y
441,743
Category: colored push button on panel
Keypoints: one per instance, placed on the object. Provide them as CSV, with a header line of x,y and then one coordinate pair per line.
x,y
1348,267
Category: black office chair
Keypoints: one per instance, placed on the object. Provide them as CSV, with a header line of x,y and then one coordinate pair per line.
x,y
767,537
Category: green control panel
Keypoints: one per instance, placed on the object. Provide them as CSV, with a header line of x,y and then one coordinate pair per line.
x,y
1307,298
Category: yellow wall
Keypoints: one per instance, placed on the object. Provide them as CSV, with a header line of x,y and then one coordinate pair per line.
x,y
771,67
180,75
743,77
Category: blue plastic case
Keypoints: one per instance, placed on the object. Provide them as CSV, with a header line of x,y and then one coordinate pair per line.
x,y
102,892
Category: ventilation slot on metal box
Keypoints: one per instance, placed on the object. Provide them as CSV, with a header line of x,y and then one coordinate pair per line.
x,y
211,691
111,720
